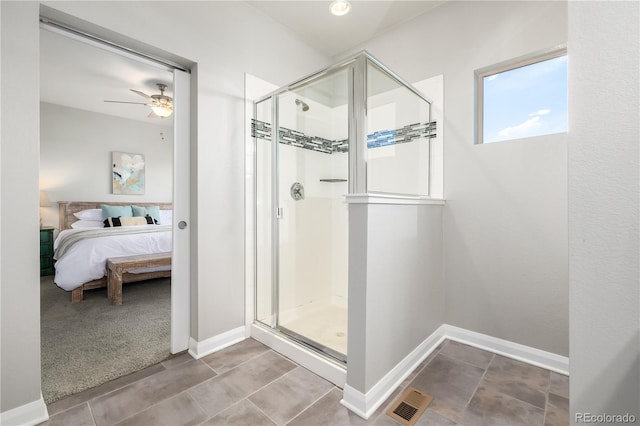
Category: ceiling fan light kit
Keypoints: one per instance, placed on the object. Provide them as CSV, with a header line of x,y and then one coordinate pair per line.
x,y
340,7
162,110
161,105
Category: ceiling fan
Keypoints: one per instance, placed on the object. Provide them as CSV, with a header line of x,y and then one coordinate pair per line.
x,y
161,105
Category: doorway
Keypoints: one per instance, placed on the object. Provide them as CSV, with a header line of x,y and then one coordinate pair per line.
x,y
167,154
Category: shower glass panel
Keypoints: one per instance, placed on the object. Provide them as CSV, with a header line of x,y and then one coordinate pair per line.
x,y
312,227
264,168
398,136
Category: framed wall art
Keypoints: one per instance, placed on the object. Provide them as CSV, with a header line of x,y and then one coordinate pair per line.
x,y
128,173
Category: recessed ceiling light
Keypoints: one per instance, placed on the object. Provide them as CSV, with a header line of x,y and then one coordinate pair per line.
x,y
340,7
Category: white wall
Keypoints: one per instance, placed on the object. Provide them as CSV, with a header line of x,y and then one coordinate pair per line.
x,y
215,35
505,220
396,260
19,276
68,134
604,200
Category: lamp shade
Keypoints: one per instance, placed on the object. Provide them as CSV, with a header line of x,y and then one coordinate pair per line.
x,y
162,110
44,199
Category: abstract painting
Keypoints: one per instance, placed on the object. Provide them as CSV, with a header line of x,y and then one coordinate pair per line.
x,y
128,173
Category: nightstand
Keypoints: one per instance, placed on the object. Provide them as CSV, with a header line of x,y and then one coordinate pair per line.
x,y
46,251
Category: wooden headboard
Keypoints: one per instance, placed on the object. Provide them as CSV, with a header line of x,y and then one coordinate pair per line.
x,y
68,208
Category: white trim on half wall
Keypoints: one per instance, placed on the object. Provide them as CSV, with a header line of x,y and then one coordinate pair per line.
x,y
218,342
32,413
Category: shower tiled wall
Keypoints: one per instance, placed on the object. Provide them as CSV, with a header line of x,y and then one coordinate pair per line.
x,y
409,133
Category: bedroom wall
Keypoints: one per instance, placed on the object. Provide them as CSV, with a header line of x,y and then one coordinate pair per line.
x,y
505,219
69,134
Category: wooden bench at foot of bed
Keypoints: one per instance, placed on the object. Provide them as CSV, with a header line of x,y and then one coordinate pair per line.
x,y
118,266
125,264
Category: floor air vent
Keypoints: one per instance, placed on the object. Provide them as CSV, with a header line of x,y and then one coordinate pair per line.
x,y
410,406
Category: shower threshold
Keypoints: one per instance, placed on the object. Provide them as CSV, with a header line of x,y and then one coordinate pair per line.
x,y
320,363
314,345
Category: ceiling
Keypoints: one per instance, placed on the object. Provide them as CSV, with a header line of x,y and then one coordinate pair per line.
x,y
333,35
80,75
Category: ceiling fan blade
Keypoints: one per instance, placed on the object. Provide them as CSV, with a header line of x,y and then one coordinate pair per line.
x,y
144,95
153,115
125,102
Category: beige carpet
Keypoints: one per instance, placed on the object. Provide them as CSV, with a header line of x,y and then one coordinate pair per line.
x,y
92,342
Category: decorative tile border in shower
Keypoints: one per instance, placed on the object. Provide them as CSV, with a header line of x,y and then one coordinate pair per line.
x,y
409,133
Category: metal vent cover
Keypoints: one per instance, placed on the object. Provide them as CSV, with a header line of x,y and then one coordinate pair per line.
x,y
409,406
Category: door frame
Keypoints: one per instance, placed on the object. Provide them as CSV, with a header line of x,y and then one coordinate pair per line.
x,y
181,191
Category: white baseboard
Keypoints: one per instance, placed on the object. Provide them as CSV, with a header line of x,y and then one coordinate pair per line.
x,y
365,404
215,343
332,372
533,356
32,413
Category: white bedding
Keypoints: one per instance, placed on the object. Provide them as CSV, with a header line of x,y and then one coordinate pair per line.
x,y
86,259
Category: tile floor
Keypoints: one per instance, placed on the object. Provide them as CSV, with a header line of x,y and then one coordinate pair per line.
x,y
248,384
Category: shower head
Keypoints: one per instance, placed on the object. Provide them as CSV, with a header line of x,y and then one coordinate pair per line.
x,y
305,107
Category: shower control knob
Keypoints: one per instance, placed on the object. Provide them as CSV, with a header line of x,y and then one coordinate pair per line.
x,y
297,191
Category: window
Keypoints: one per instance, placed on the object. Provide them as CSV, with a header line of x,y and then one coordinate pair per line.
x,y
522,98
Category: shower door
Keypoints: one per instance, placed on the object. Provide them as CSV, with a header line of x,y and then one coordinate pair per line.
x,y
312,224
301,211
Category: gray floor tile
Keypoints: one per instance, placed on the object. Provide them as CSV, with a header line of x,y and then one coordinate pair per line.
x,y
103,389
288,396
557,413
227,389
79,415
558,401
559,384
448,401
137,397
444,370
431,418
177,360
234,355
451,383
525,382
243,413
180,410
512,370
328,411
489,407
468,354
383,420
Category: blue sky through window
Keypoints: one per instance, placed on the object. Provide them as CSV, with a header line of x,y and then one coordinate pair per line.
x,y
526,101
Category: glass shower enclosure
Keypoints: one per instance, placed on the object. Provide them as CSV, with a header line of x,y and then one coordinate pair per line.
x,y
353,128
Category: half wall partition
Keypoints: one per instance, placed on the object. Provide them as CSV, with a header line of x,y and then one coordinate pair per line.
x,y
353,128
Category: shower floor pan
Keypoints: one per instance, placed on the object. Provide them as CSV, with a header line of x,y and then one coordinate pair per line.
x,y
326,325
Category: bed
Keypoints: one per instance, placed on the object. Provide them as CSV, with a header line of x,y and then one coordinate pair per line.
x,y
81,253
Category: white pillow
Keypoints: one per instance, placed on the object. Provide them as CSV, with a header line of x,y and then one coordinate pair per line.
x,y
166,217
83,224
89,214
